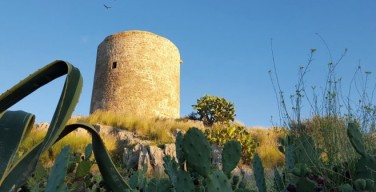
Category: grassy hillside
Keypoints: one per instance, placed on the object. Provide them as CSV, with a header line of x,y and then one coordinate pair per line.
x,y
158,131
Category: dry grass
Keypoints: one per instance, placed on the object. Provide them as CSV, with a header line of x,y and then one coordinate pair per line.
x,y
77,141
268,146
156,130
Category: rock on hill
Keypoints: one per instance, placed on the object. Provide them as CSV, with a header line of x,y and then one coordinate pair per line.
x,y
137,152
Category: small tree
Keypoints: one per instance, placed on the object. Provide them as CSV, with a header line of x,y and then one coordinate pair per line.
x,y
213,109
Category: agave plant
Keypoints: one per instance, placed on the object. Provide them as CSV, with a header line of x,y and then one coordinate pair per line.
x,y
16,125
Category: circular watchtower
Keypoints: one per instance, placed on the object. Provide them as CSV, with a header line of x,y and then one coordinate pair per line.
x,y
137,73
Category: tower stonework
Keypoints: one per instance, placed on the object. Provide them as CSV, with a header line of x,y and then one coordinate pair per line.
x,y
137,73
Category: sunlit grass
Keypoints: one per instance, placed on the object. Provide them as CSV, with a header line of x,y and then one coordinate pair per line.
x,y
77,140
268,146
158,131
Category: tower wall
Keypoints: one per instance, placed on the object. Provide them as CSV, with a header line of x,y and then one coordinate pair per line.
x,y
137,73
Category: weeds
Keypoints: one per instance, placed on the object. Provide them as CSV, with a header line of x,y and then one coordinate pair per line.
x,y
323,135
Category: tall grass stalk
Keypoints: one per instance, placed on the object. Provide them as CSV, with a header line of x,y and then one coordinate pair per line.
x,y
330,111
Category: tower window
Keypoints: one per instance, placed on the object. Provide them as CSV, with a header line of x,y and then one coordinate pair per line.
x,y
114,65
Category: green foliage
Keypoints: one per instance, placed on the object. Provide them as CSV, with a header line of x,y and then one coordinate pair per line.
x,y
37,181
138,180
14,126
16,175
320,156
258,170
171,169
158,185
179,149
200,174
301,156
230,156
214,109
184,182
56,178
345,188
197,151
217,181
278,184
305,171
356,139
298,177
330,137
83,168
221,136
365,167
15,171
75,175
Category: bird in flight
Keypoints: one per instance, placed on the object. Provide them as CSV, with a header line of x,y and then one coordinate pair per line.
x,y
107,7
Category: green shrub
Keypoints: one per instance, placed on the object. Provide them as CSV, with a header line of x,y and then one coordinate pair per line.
x,y
329,135
221,135
213,109
194,171
72,171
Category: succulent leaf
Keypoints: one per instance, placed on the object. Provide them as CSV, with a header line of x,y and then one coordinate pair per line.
x,y
258,170
171,169
231,155
184,182
217,182
83,168
278,183
356,138
197,151
179,149
88,151
58,172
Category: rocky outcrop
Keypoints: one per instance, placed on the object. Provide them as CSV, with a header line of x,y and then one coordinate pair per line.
x,y
149,155
137,153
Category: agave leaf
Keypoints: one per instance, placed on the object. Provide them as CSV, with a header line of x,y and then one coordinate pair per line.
x,y
68,98
14,126
106,166
32,83
21,170
67,102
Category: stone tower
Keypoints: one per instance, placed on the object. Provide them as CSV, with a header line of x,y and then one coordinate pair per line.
x,y
137,73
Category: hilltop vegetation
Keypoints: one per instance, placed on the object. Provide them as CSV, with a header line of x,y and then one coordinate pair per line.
x,y
162,131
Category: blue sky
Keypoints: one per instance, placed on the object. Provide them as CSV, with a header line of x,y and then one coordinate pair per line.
x,y
225,45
